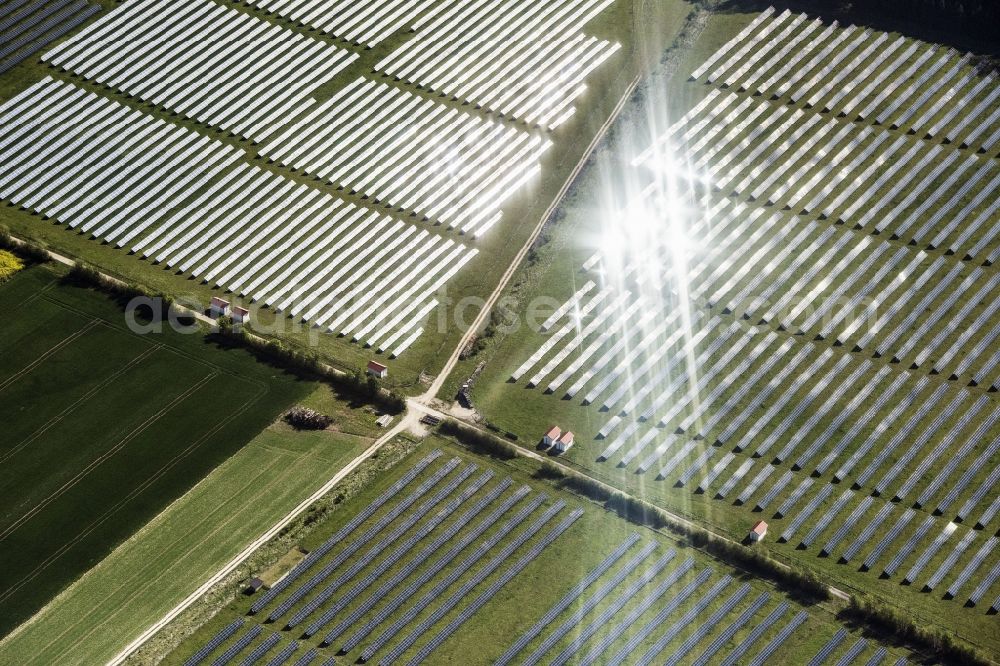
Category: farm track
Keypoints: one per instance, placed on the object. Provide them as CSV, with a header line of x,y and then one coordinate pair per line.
x,y
214,431
258,542
410,417
480,319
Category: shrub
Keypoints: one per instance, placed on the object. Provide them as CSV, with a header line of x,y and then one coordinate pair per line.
x,y
9,264
802,584
85,275
303,418
355,384
31,252
480,441
895,625
549,471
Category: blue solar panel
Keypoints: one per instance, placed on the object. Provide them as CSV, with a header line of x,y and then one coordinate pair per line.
x,y
566,601
343,533
215,642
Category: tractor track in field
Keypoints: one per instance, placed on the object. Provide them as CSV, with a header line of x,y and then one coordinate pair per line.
x,y
122,443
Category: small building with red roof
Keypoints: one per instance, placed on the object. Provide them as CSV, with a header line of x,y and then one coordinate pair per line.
x,y
377,369
551,436
218,307
564,443
758,531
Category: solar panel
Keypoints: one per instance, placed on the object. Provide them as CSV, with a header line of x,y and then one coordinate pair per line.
x,y
727,634
566,601
929,552
317,553
977,560
796,495
436,590
778,640
591,602
284,654
258,652
853,652
826,518
632,616
358,562
878,657
348,552
487,594
907,548
582,634
806,512
214,642
828,649
774,490
971,471
465,589
707,626
949,562
453,528
243,641
867,533
848,524
391,585
307,658
755,633
985,583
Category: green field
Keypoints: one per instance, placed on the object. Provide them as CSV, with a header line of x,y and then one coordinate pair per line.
x,y
185,544
521,602
528,412
655,23
104,428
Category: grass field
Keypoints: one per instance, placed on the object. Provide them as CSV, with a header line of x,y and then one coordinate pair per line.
x,y
187,542
644,28
522,601
529,412
103,428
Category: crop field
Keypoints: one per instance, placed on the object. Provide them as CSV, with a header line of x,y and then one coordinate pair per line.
x,y
407,572
795,316
103,428
440,170
192,538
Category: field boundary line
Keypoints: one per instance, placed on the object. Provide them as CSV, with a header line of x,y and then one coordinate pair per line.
x,y
287,471
254,545
35,296
219,426
527,453
153,563
145,484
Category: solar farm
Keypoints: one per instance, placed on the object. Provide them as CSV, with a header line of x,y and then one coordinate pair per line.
x,y
795,316
368,188
410,571
731,392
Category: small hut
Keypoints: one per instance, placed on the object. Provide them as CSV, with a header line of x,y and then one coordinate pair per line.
x,y
376,369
